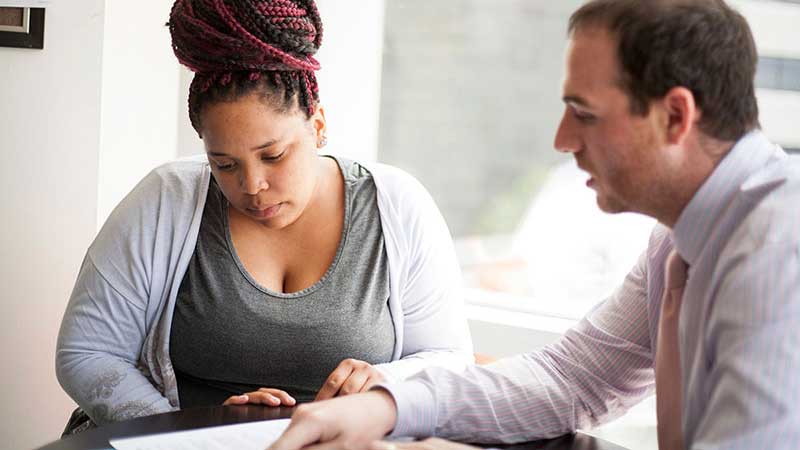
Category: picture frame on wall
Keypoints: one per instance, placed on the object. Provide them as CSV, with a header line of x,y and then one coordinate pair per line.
x,y
21,27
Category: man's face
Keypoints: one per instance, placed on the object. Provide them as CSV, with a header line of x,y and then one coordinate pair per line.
x,y
619,150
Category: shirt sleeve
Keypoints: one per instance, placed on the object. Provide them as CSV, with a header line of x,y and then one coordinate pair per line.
x,y
594,373
754,338
435,330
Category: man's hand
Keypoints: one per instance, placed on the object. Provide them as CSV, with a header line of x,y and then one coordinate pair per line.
x,y
427,444
348,423
263,396
351,376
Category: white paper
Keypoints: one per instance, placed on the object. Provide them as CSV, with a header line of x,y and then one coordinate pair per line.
x,y
244,436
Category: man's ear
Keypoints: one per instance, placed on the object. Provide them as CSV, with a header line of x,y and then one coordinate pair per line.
x,y
682,114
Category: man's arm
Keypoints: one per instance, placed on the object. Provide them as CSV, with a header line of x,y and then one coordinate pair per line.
x,y
353,423
594,373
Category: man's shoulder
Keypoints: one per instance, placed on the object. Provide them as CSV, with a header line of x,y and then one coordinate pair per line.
x,y
773,198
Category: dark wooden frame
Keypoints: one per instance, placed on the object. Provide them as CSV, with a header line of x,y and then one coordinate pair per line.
x,y
34,38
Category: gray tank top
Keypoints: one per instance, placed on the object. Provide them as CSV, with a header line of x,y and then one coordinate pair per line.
x,y
230,335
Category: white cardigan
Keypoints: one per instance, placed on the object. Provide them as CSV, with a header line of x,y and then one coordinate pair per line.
x,y
112,354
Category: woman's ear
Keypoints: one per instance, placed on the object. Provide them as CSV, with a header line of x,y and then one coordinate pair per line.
x,y
320,126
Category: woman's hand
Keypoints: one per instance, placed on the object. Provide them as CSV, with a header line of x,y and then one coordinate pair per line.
x,y
263,396
350,377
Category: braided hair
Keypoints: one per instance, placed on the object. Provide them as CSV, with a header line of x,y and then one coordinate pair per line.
x,y
239,47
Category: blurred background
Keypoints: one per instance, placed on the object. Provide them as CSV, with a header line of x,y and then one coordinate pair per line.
x,y
463,94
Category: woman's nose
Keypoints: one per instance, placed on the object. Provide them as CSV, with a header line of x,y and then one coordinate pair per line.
x,y
253,182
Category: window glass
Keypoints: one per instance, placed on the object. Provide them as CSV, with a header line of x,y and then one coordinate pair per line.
x,y
470,102
778,73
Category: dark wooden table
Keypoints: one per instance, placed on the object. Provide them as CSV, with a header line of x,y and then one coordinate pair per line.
x,y
188,419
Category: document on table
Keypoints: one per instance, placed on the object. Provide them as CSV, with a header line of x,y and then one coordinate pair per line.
x,y
244,436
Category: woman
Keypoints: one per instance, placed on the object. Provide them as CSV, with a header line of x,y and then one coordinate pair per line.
x,y
263,272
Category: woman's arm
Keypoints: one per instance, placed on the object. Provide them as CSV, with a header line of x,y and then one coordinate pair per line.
x,y
434,325
101,336
127,276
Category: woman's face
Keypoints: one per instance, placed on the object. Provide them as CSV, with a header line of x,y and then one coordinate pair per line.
x,y
264,161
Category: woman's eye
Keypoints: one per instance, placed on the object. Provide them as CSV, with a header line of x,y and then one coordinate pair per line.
x,y
225,167
273,158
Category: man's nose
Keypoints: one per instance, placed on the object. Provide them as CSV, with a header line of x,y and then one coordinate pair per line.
x,y
566,140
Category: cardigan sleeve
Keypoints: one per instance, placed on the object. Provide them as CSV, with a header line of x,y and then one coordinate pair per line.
x,y
119,293
98,347
434,326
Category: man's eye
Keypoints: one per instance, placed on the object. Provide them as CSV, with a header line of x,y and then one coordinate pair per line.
x,y
583,117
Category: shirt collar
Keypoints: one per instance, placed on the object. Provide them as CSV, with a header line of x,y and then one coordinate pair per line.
x,y
696,221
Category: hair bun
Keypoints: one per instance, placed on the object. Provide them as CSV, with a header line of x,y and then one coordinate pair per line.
x,y
254,35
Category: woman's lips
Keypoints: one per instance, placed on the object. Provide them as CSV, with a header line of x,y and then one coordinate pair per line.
x,y
265,213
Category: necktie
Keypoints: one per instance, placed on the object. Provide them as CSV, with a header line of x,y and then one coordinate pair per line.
x,y
669,400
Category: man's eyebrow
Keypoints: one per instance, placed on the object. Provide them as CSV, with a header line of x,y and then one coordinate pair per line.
x,y
575,99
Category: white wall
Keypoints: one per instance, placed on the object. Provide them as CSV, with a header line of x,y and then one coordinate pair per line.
x,y
774,25
351,56
49,138
80,123
188,141
350,79
139,100
776,33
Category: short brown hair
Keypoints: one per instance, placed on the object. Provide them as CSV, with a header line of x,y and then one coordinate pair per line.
x,y
702,45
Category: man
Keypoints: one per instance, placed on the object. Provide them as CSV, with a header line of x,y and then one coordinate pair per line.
x,y
661,113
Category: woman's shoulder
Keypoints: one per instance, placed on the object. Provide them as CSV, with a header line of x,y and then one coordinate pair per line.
x,y
173,183
167,196
394,182
405,202
184,171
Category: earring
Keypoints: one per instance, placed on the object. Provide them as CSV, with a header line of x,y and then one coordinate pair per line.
x,y
322,142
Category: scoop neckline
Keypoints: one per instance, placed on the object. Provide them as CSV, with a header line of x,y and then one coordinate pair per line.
x,y
331,268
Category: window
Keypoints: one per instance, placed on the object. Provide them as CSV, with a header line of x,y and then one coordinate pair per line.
x,y
778,73
470,102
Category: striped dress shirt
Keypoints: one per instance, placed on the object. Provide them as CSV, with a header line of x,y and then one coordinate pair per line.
x,y
739,332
